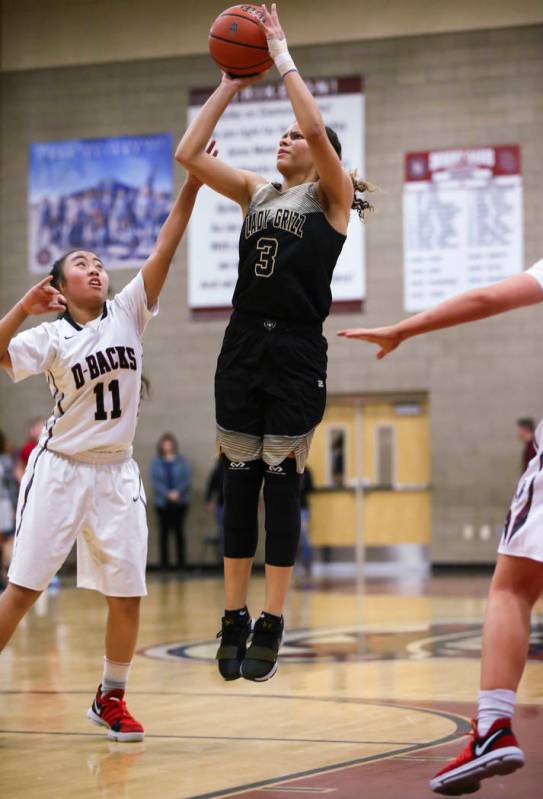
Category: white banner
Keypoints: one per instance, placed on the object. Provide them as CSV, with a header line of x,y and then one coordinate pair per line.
x,y
247,137
462,216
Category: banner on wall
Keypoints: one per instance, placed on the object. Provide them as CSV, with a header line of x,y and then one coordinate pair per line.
x,y
110,196
247,137
462,219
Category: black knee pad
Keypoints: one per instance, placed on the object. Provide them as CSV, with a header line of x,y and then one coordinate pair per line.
x,y
242,482
282,502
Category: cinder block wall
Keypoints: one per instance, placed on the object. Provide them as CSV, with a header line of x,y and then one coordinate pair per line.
x,y
422,92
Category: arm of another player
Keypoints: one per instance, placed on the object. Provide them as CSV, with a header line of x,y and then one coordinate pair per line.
x,y
334,182
236,184
155,270
514,292
40,299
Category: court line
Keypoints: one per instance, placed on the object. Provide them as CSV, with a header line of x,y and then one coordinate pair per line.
x,y
218,738
462,727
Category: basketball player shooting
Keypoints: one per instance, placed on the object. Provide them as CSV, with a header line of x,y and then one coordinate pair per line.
x,y
270,383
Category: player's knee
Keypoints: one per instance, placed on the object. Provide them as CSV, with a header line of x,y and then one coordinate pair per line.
x,y
20,598
242,483
125,605
282,501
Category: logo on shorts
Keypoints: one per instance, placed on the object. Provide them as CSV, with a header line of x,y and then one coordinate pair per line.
x,y
276,469
269,324
320,383
238,466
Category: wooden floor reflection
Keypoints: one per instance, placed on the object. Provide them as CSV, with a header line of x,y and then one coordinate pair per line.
x,y
375,687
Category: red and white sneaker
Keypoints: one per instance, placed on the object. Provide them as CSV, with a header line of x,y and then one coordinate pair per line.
x,y
497,752
109,710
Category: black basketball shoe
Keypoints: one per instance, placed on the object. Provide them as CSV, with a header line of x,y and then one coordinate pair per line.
x,y
260,662
235,630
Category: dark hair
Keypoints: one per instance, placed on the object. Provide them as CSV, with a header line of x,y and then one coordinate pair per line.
x,y
333,138
527,423
167,437
360,205
57,270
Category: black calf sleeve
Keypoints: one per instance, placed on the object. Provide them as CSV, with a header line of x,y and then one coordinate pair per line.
x,y
282,501
242,482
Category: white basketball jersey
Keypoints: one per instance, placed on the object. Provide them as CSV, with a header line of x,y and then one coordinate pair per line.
x,y
94,375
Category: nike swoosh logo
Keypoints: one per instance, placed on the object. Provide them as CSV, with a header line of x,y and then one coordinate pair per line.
x,y
135,499
74,335
480,750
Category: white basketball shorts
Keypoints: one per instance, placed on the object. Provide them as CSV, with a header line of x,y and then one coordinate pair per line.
x,y
101,506
523,532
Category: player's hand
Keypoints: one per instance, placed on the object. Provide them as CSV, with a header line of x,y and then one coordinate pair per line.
x,y
237,84
43,298
191,180
386,338
272,26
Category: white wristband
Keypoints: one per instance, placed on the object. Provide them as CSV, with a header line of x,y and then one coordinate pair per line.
x,y
282,58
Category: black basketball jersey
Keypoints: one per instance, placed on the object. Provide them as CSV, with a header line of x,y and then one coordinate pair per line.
x,y
287,254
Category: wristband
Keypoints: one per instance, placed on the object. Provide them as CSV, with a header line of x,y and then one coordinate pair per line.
x,y
282,58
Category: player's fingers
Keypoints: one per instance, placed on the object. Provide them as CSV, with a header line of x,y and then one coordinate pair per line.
x,y
44,281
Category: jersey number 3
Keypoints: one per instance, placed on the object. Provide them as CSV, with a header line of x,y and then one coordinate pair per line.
x,y
101,413
268,253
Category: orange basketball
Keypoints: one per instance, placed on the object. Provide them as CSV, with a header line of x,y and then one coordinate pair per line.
x,y
237,43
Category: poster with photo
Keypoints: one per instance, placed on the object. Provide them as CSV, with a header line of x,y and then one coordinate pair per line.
x,y
110,196
462,218
247,136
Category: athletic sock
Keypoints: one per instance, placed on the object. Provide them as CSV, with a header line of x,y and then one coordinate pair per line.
x,y
493,705
115,675
235,614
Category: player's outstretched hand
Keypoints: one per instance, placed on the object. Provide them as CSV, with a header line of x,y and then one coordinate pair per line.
x,y
272,26
386,338
43,298
194,182
237,84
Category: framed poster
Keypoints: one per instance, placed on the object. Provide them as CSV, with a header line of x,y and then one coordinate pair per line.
x,y
110,196
462,220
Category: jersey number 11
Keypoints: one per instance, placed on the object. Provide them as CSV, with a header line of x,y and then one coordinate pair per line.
x,y
101,413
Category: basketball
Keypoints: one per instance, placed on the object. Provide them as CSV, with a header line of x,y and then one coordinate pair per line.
x,y
237,43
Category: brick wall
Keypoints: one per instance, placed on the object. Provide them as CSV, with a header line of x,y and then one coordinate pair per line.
x,y
422,92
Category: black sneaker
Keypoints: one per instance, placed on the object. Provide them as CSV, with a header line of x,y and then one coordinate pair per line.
x,y
234,632
260,662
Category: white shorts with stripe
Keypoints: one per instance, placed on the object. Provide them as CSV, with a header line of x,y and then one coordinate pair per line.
x,y
101,506
523,532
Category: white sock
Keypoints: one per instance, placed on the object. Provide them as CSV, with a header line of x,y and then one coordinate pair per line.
x,y
492,705
115,675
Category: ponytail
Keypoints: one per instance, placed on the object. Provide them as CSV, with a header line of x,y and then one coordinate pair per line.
x,y
360,186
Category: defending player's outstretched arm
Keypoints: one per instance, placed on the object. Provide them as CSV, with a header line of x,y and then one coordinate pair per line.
x,y
40,299
155,270
514,292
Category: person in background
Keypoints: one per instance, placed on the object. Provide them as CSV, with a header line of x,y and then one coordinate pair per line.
x,y
214,498
8,500
170,478
35,429
526,434
305,551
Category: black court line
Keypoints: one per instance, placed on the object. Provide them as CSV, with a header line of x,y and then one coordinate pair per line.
x,y
462,727
218,738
